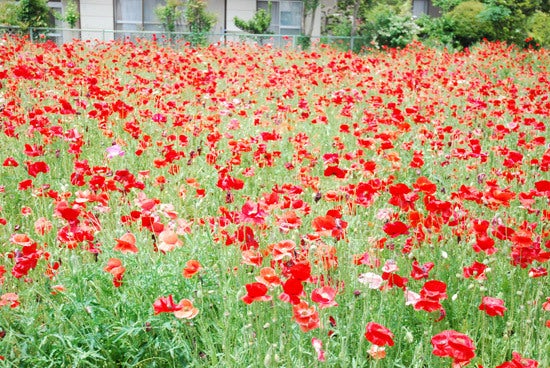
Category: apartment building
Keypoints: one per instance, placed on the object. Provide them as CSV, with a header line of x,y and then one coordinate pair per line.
x,y
127,16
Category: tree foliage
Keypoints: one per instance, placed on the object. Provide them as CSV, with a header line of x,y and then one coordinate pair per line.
x,y
199,21
70,15
380,23
33,13
259,24
504,20
170,14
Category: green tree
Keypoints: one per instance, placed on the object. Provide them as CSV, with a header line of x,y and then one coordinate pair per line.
x,y
8,13
447,5
33,13
509,19
70,14
259,24
538,28
169,14
383,22
199,21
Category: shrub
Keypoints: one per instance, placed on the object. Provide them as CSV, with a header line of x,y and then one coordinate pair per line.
x,y
539,28
259,24
33,13
436,32
467,25
8,13
387,28
169,14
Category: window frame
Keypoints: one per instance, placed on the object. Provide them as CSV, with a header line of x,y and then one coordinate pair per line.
x,y
141,25
278,27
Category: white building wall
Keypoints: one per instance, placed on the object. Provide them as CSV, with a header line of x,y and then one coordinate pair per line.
x,y
97,15
217,8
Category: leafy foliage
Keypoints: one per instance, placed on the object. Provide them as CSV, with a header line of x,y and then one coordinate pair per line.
x,y
33,13
436,31
199,21
386,28
510,20
468,26
8,13
539,28
169,14
70,14
259,24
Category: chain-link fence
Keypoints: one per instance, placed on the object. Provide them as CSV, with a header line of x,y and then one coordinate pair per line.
x,y
65,35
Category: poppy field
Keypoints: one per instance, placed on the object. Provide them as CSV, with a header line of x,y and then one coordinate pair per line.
x,y
247,206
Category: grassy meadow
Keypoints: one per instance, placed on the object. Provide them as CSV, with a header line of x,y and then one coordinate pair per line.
x,y
247,206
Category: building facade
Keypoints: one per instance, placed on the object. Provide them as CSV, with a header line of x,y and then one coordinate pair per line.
x,y
126,16
110,19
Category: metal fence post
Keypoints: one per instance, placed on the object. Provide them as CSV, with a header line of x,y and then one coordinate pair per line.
x,y
30,34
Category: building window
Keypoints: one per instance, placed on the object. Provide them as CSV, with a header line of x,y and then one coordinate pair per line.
x,y
137,15
286,16
420,7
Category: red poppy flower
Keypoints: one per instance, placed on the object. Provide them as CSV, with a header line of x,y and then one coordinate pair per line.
x,y
168,241
252,212
421,271
268,277
455,345
538,272
256,291
492,306
301,271
25,260
423,184
185,309
252,257
324,296
11,299
42,226
329,225
335,171
126,243
35,168
283,249
395,229
25,184
402,197
115,268
519,362
292,290
10,161
476,270
378,334
21,239
191,268
306,317
434,289
318,346
164,304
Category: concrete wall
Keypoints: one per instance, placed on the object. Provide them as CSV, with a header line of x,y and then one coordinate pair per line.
x,y
97,14
217,8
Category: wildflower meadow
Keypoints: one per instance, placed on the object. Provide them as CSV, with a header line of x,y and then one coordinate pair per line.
x,y
242,205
